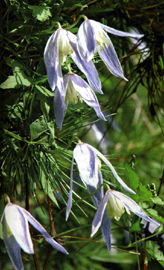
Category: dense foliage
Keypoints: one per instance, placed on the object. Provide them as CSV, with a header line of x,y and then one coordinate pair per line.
x,y
36,155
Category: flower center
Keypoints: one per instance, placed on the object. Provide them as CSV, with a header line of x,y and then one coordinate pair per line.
x,y
101,39
64,46
71,94
115,207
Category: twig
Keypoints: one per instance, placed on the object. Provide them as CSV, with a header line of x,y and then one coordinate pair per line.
x,y
53,231
27,208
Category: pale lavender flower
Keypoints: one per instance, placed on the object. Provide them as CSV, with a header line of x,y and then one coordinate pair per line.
x,y
89,167
16,234
115,203
75,88
61,44
92,38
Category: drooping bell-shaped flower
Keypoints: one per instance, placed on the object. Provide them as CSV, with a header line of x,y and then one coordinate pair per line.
x,y
115,203
89,168
88,163
61,44
86,157
16,234
92,38
75,89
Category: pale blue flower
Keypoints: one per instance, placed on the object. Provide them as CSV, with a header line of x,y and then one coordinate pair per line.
x,y
16,234
89,167
92,38
88,164
115,203
61,44
75,89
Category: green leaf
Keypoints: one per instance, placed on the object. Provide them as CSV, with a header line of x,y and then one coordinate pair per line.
x,y
38,127
17,65
155,215
153,249
43,90
40,13
144,193
133,177
136,224
157,200
18,79
47,188
9,83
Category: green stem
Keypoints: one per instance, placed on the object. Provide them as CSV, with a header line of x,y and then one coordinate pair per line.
x,y
76,22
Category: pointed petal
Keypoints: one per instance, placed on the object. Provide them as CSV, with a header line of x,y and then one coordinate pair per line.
x,y
87,163
86,40
96,198
107,162
19,227
90,174
40,228
133,206
120,33
69,202
88,68
59,106
105,228
51,59
86,93
13,248
109,57
97,221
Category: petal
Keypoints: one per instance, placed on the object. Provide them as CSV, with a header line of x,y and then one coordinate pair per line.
x,y
59,106
109,57
87,163
51,59
86,40
120,33
19,227
87,68
99,194
105,228
107,162
97,221
133,206
69,202
86,93
13,248
40,228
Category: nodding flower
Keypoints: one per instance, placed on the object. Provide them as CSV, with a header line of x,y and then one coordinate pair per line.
x,y
92,38
16,234
88,163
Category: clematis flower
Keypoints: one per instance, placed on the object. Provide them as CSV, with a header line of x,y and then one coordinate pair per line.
x,y
92,38
116,203
16,234
91,177
86,157
61,44
75,88
89,168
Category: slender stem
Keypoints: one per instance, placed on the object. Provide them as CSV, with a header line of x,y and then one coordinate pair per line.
x,y
160,186
53,231
161,183
47,259
27,208
78,19
138,260
145,265
36,261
